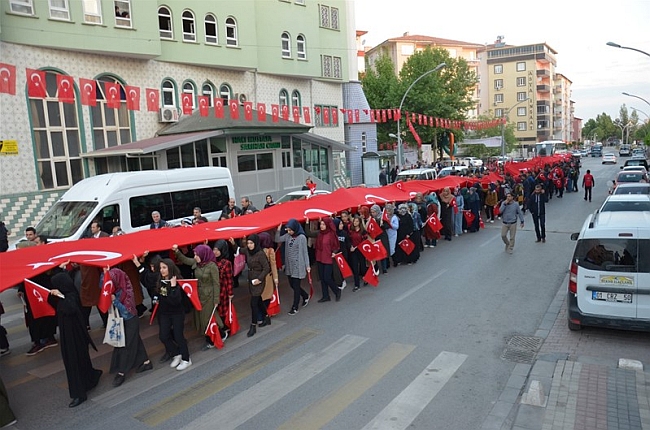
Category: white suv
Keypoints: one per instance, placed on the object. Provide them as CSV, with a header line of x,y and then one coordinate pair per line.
x,y
609,279
472,161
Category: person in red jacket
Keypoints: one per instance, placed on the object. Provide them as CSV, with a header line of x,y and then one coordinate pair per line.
x,y
327,244
588,183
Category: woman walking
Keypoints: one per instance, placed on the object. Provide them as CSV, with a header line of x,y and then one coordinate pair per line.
x,y
327,244
446,211
221,251
296,260
358,262
271,281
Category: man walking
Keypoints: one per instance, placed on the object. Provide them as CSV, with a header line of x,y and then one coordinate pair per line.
x,y
510,211
588,183
537,207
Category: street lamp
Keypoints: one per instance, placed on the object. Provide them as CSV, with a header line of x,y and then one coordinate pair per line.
x,y
616,45
637,97
639,110
503,126
618,123
400,151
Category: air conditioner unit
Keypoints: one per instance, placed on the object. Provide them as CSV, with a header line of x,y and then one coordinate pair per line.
x,y
168,114
243,98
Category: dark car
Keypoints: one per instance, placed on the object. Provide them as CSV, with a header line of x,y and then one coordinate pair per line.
x,y
597,151
636,162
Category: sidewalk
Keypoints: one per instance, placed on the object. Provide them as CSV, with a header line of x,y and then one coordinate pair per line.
x,y
584,383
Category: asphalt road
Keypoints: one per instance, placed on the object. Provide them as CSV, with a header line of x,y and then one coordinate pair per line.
x,y
423,350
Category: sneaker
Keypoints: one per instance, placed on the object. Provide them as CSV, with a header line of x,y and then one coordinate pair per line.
x,y
50,343
492,221
343,285
176,361
224,333
184,364
293,311
205,347
356,288
305,302
5,352
35,349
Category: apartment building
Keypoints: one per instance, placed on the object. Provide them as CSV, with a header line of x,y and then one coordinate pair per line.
x,y
289,53
562,109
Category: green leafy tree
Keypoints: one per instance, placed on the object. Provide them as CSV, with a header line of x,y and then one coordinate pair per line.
x,y
380,85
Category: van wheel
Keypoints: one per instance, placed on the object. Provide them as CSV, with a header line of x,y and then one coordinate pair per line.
x,y
574,326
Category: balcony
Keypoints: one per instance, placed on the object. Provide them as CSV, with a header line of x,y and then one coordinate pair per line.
x,y
544,72
543,88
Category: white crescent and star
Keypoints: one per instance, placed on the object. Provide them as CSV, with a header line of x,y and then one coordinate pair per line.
x,y
112,91
318,211
88,88
37,295
133,94
212,328
189,287
234,228
5,73
36,79
369,196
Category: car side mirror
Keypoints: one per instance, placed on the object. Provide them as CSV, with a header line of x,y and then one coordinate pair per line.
x,y
574,236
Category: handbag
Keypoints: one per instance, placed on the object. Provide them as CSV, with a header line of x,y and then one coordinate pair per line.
x,y
238,264
114,335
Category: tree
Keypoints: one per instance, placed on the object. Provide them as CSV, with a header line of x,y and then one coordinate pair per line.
x,y
602,127
380,85
482,151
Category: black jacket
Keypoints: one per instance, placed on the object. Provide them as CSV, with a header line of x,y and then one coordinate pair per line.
x,y
535,207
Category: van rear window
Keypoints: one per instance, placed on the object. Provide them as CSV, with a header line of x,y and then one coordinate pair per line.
x,y
613,255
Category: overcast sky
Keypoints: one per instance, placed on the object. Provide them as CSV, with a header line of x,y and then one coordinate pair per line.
x,y
577,30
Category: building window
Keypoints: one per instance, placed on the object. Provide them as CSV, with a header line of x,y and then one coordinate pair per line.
x,y
92,11
122,13
188,88
521,96
498,84
225,92
231,32
57,140
300,1
521,111
295,99
165,23
521,66
111,126
498,98
23,7
326,65
284,98
253,162
169,94
364,142
189,155
301,47
337,68
498,112
211,37
208,90
334,18
324,16
521,126
286,45
189,31
498,69
59,9
521,82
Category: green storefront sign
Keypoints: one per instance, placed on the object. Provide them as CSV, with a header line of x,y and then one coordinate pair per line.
x,y
252,143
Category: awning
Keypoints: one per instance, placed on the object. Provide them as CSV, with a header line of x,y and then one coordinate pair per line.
x,y
148,146
379,154
324,141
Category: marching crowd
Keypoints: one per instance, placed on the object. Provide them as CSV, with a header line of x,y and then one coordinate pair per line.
x,y
334,246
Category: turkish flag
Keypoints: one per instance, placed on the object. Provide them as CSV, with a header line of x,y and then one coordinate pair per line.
x,y
153,99
37,297
296,114
390,113
407,246
36,83
274,306
372,116
105,295
231,318
306,113
350,116
384,216
357,115
234,108
191,288
218,107
187,104
311,285
383,115
278,258
335,117
373,228
469,216
368,250
275,112
261,112
248,111
112,95
65,84
284,110
343,265
132,97
454,204
88,88
204,105
371,276
212,331
326,116
312,187
434,223
7,79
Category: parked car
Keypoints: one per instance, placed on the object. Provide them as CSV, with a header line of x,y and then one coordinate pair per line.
x,y
625,177
609,158
626,202
300,195
624,151
416,174
636,162
597,151
472,161
453,170
635,188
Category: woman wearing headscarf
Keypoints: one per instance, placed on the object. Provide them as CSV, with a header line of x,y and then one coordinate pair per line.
x,y
445,213
433,207
204,264
327,244
296,260
404,231
133,354
457,214
73,338
171,314
474,202
271,281
221,251
416,237
258,269
491,200
393,225
357,235
375,213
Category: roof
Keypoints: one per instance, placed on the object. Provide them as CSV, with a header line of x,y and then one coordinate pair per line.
x,y
434,40
148,146
324,141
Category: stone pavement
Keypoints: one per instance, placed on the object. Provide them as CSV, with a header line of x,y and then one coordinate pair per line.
x,y
584,383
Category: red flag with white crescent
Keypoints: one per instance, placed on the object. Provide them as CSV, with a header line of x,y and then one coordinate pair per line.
x,y
204,105
373,228
36,83
284,111
306,114
248,111
187,102
357,116
218,107
384,216
334,117
296,114
88,89
383,115
153,99
350,116
454,205
231,318
372,276
434,223
372,116
37,296
274,306
191,289
326,116
368,250
261,112
407,246
113,99
275,113
105,301
415,134
7,79
346,271
212,331
234,108
65,84
132,97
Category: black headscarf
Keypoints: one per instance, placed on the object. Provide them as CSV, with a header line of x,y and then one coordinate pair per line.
x,y
256,240
223,248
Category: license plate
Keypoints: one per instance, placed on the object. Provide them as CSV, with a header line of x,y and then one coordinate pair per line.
x,y
611,297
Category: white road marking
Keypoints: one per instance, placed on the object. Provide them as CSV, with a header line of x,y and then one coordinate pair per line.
x,y
416,288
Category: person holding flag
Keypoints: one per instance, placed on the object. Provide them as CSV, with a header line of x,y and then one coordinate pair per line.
x,y
221,251
272,280
296,261
205,269
376,215
357,235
